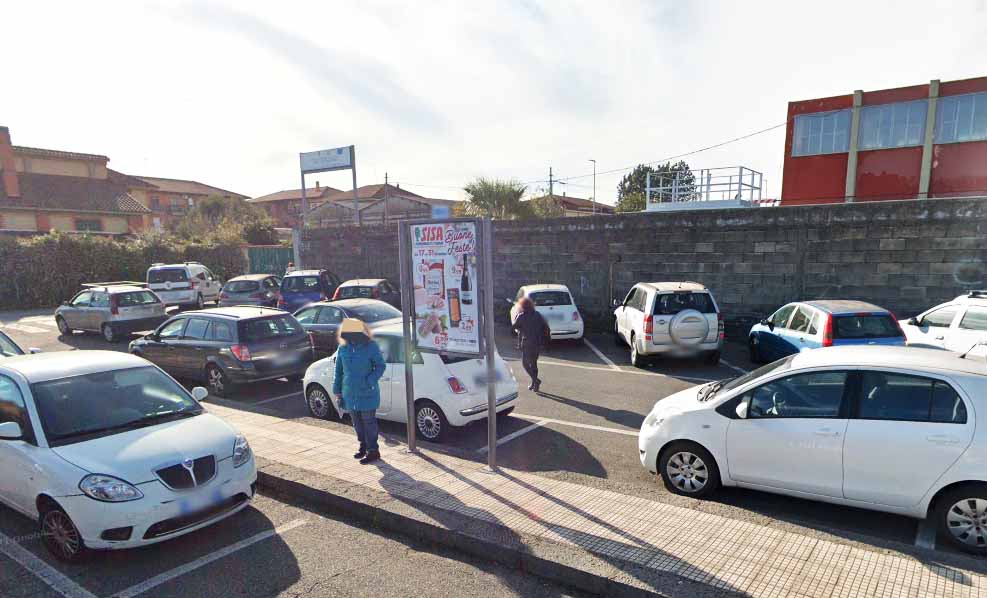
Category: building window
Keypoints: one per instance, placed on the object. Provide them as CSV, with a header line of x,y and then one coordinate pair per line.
x,y
822,133
88,225
155,202
962,118
892,125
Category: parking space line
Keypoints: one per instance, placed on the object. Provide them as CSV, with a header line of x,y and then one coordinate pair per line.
x,y
271,400
733,367
606,360
26,329
42,570
167,576
623,371
547,420
514,435
925,537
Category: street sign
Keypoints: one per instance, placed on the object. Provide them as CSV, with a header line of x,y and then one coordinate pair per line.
x,y
339,158
440,212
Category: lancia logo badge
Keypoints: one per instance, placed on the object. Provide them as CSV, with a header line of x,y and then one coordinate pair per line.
x,y
188,464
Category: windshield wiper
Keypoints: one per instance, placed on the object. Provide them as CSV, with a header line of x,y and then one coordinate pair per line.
x,y
712,389
143,422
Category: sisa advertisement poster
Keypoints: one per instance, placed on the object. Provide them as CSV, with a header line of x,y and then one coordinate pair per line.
x,y
443,273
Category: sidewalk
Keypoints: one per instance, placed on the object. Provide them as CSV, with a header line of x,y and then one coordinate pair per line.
x,y
592,539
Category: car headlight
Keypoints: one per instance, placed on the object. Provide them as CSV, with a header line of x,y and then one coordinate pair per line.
x,y
241,451
653,420
107,488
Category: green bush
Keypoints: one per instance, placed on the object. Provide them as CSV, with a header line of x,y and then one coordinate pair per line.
x,y
46,270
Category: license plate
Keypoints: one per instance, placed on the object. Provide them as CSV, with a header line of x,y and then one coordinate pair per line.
x,y
200,501
555,317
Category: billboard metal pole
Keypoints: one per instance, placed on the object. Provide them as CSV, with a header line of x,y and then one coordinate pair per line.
x,y
408,321
488,332
301,224
356,195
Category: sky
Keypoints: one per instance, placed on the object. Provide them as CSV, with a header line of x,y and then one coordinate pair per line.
x,y
435,93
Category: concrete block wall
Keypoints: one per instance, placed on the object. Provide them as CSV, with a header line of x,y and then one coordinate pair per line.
x,y
903,255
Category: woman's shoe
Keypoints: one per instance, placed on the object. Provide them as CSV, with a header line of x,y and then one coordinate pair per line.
x,y
536,385
360,453
370,458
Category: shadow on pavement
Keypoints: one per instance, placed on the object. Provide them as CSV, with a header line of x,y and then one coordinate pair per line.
x,y
622,417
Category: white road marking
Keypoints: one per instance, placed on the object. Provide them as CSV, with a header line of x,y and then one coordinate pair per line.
x,y
205,560
547,420
26,329
606,360
42,570
925,537
733,367
40,320
542,362
271,400
514,435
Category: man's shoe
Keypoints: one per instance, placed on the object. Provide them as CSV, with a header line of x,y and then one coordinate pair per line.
x,y
536,385
360,453
370,458
531,386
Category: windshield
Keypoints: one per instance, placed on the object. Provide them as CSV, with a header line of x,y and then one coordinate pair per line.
x,y
355,292
167,275
780,365
83,407
136,298
8,348
672,303
300,284
865,326
550,298
242,286
374,313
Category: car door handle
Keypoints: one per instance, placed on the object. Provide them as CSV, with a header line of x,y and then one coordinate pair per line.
x,y
801,340
385,379
828,432
939,338
942,439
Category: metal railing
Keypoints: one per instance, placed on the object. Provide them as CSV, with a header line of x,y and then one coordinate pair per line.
x,y
735,183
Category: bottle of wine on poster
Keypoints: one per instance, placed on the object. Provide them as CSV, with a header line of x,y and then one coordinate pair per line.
x,y
465,288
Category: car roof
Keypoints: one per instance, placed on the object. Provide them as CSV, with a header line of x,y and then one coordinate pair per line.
x,y
116,288
533,288
304,273
972,298
686,285
250,277
391,329
62,364
362,282
240,312
159,266
844,306
354,302
898,357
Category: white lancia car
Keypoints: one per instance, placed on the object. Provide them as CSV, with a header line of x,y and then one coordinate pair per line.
x,y
450,391
107,451
895,429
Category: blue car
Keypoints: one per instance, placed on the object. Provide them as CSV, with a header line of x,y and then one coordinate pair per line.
x,y
301,287
823,323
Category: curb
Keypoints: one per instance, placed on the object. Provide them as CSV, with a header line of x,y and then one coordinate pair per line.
x,y
555,562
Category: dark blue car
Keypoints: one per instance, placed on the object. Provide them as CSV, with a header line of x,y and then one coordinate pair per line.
x,y
822,323
301,287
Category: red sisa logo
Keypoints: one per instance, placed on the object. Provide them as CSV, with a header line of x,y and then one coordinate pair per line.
x,y
429,234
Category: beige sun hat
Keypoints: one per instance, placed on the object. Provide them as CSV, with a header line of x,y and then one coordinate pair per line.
x,y
352,325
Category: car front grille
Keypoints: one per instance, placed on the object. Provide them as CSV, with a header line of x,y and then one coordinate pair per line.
x,y
179,477
177,524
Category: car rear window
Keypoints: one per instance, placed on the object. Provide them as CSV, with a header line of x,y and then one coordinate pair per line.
x,y
136,298
300,284
262,329
167,275
355,292
550,298
865,326
242,286
670,304
374,313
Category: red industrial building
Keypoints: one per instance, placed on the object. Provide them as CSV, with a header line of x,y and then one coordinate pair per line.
x,y
915,142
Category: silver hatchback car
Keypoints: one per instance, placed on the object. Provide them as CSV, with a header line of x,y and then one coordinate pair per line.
x,y
112,309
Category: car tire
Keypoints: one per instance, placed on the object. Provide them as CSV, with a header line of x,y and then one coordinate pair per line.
x,y
958,507
752,347
60,535
109,335
63,326
430,423
712,358
637,360
503,414
199,303
687,469
319,403
219,383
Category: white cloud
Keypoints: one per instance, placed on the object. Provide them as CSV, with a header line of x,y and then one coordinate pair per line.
x,y
439,92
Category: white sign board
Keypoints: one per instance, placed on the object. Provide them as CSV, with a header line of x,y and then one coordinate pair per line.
x,y
443,276
331,159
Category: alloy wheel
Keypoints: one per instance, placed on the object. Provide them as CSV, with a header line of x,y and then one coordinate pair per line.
x,y
61,534
687,472
199,303
966,520
318,403
216,382
108,333
429,423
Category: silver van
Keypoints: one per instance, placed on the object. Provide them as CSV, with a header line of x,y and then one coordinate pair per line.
x,y
189,284
112,309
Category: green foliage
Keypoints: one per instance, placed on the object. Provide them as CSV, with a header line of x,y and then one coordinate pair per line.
x,y
496,198
545,207
227,220
43,271
632,190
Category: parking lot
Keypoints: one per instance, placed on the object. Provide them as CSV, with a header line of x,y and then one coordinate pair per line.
x,y
582,427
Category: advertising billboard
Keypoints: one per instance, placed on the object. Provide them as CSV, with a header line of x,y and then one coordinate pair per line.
x,y
338,158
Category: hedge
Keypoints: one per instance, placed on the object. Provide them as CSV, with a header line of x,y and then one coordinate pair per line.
x,y
43,271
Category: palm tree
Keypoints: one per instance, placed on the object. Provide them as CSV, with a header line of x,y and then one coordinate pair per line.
x,y
496,198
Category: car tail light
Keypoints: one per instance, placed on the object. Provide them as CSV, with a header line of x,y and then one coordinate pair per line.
x,y
720,327
375,294
114,304
575,316
241,352
649,324
335,295
311,338
828,332
281,302
455,385
193,283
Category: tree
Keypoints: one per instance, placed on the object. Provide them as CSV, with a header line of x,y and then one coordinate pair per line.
x,y
496,198
545,207
227,219
632,190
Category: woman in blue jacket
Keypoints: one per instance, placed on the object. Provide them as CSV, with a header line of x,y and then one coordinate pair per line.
x,y
359,367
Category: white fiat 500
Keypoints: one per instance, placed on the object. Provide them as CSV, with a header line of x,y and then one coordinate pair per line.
x,y
450,390
896,429
554,302
107,451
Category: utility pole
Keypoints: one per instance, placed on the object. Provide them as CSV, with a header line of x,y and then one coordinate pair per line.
x,y
594,186
550,193
385,198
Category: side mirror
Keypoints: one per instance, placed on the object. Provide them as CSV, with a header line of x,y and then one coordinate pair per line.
x,y
768,323
913,321
199,393
34,350
65,303
616,303
11,431
742,409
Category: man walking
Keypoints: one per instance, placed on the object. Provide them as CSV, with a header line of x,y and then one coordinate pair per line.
x,y
532,330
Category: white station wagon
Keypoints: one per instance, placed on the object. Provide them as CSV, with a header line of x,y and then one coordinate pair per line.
x,y
107,451
895,429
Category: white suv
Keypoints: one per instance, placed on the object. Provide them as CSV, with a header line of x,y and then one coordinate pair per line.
x,y
669,318
956,325
189,284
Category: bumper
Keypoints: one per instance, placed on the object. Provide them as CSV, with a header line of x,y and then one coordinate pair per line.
x,y
673,350
130,326
243,375
647,445
479,411
164,514
177,297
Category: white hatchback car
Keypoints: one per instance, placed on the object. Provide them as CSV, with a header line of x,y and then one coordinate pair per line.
x,y
450,390
188,285
895,429
554,302
956,325
107,451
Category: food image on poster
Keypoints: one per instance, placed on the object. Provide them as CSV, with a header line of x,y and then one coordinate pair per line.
x,y
443,264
